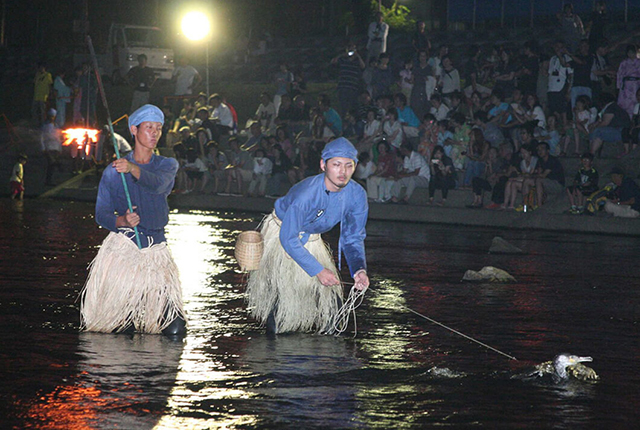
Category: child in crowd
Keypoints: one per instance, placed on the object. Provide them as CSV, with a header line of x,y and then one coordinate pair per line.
x,y
585,183
16,183
262,167
406,80
428,134
551,136
583,117
444,135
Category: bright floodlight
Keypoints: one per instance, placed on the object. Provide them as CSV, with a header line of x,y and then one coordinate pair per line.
x,y
195,25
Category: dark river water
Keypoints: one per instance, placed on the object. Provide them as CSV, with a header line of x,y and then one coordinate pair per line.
x,y
574,293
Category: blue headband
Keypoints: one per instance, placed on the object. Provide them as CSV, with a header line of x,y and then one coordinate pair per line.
x,y
340,147
146,113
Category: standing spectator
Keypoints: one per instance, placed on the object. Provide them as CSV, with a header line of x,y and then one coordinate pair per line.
x,y
542,82
420,41
41,90
421,74
528,73
63,97
585,183
89,87
505,74
442,175
415,174
186,77
582,67
602,72
382,77
449,80
350,66
612,120
51,144
262,167
16,183
367,75
559,78
571,27
596,25
628,80
625,202
283,81
377,33
550,179
141,78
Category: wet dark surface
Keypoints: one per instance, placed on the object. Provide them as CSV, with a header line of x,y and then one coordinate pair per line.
x,y
575,293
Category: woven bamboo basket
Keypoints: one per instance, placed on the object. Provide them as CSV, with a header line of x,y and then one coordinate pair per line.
x,y
249,250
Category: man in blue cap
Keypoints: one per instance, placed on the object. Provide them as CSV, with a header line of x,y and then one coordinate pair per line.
x,y
297,287
129,289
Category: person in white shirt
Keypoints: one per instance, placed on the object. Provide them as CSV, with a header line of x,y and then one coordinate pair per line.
x,y
438,109
559,85
186,77
266,113
262,167
392,128
415,174
378,32
222,117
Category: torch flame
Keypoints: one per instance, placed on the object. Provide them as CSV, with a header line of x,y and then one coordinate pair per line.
x,y
79,136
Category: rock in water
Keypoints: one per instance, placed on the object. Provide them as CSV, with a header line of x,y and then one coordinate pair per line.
x,y
488,274
501,246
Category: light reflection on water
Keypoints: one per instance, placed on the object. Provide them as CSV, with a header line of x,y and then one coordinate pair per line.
x,y
400,371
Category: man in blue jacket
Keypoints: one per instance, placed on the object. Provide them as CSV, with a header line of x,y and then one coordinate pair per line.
x,y
297,287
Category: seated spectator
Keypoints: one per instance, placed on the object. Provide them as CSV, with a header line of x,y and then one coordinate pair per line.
x,y
405,81
583,118
585,183
240,168
456,148
350,127
490,130
525,175
187,139
287,111
365,168
202,121
476,157
428,135
202,137
372,132
457,105
407,118
382,76
438,109
612,120
498,111
486,182
380,183
195,170
449,79
551,136
534,112
625,202
320,131
550,177
414,174
284,141
300,121
509,165
261,172
632,137
282,172
445,135
222,116
331,117
256,137
392,129
365,104
266,113
443,175
216,162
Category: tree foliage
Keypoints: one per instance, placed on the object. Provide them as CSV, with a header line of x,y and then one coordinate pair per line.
x,y
398,16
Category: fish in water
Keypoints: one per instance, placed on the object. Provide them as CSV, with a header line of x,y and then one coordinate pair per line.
x,y
565,366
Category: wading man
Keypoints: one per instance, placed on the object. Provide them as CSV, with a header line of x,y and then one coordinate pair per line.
x,y
296,287
131,289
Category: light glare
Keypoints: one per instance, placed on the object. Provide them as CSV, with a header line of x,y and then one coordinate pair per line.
x,y
195,25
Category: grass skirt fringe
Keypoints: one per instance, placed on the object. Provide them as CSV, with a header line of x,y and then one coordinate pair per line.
x,y
130,286
301,302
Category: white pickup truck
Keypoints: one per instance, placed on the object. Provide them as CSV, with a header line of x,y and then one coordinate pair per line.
x,y
125,43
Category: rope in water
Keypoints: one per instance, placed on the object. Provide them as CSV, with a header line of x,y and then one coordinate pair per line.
x,y
341,319
459,333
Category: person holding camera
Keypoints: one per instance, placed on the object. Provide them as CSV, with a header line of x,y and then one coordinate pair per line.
x,y
350,67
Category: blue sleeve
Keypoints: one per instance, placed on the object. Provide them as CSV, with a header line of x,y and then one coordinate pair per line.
x,y
352,231
290,229
106,202
161,179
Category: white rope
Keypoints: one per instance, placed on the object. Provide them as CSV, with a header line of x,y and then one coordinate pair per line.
x,y
341,319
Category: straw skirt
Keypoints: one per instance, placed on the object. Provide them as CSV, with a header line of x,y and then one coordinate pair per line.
x,y
299,301
128,286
